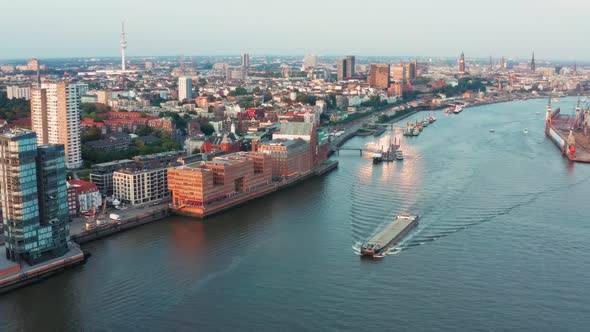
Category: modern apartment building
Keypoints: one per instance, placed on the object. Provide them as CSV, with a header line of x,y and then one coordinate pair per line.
x,y
55,117
17,92
33,197
140,186
185,88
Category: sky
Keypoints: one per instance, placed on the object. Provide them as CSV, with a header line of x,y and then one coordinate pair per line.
x,y
553,29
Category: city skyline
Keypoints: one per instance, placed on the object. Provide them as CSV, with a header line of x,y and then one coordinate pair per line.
x,y
441,29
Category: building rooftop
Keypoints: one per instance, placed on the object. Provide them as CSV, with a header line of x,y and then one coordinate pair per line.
x,y
296,128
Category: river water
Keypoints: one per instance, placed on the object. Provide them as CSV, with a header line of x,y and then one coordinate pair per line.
x,y
502,244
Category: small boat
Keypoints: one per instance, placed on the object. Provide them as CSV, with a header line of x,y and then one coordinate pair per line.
x,y
492,130
526,131
449,110
377,158
458,109
399,154
415,131
430,118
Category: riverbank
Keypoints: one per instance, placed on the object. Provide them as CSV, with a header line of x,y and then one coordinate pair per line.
x,y
136,217
14,275
239,199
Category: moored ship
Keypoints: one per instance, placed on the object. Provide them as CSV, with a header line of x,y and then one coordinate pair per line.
x,y
382,241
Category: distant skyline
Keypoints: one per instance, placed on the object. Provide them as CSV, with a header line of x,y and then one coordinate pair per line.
x,y
513,28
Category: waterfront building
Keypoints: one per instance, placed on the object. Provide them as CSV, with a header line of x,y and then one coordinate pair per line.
x,y
33,197
102,174
289,157
18,92
87,195
200,185
133,186
379,76
185,88
55,117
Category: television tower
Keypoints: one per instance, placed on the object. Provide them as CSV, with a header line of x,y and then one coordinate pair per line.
x,y
123,46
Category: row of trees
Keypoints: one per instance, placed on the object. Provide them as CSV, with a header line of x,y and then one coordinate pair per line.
x,y
464,84
165,142
12,109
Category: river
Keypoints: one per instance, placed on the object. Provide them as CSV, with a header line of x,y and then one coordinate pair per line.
x,y
502,244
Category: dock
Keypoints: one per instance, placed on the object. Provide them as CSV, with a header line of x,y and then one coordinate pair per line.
x,y
15,275
570,133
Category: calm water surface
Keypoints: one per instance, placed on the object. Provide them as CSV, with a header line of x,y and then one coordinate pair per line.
x,y
502,245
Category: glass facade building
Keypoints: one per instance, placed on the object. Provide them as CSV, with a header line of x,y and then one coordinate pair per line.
x,y
33,196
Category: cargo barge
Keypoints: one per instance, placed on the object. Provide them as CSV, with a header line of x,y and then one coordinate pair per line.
x,y
382,241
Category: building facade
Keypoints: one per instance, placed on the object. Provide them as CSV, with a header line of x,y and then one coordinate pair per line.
x,y
379,76
205,183
87,195
350,66
185,88
18,92
341,70
33,197
136,187
55,117
289,157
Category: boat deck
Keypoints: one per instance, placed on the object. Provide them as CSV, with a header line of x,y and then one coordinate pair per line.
x,y
392,230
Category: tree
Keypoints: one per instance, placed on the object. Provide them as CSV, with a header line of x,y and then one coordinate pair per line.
x,y
91,134
143,130
239,91
257,90
207,129
307,99
267,97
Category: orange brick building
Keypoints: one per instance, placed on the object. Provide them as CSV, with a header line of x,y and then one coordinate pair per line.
x,y
198,186
289,157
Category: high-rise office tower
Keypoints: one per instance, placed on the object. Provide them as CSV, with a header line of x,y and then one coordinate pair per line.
x,y
413,72
350,64
33,197
55,117
341,70
185,88
533,65
379,76
245,60
462,64
310,61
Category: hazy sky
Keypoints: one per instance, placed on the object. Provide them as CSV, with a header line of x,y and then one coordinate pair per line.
x,y
554,29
